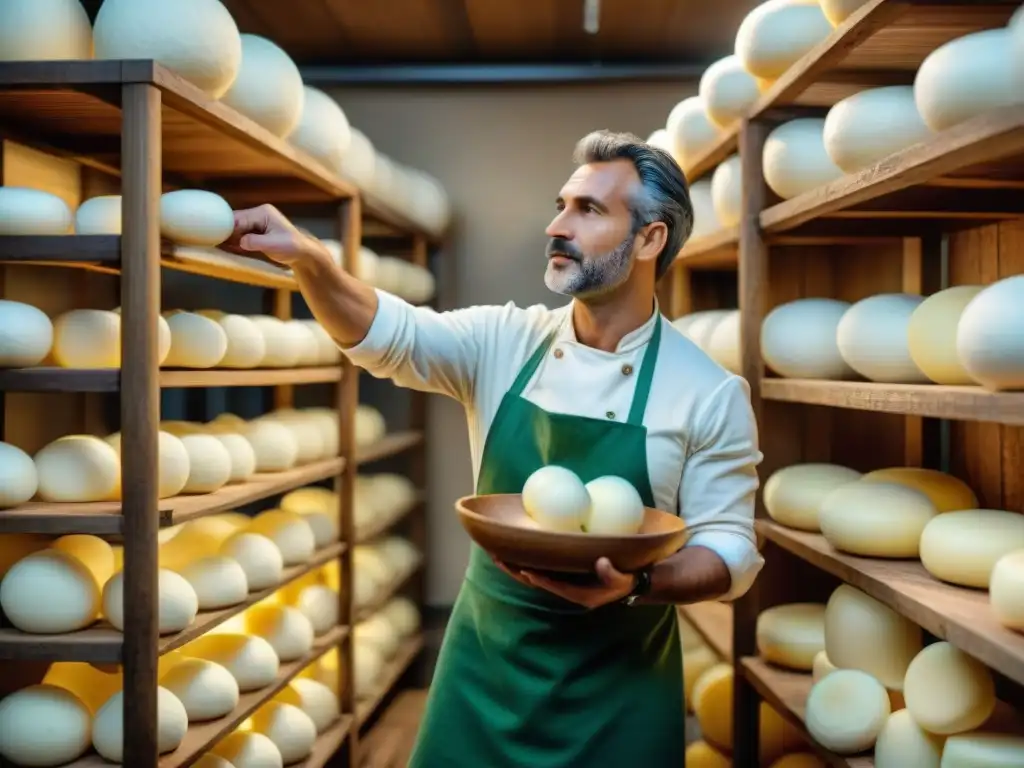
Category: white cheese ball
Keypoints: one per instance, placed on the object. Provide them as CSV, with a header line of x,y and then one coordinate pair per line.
x,y
323,131
206,689
274,445
259,557
268,89
249,750
280,350
616,508
690,132
26,335
99,216
290,533
873,340
173,464
178,602
44,30
932,334
990,352
659,139
49,592
727,192
370,425
43,725
378,632
163,337
78,468
1006,590
705,220
963,547
26,211
724,342
846,711
983,750
210,760
838,11
243,457
197,39
368,667
793,495
403,615
903,743
292,730
287,630
795,160
875,519
359,163
778,33
557,499
246,345
87,338
18,477
108,727
316,700
791,635
209,464
251,660
728,91
319,604
947,691
798,339
219,582
304,341
195,217
862,129
965,78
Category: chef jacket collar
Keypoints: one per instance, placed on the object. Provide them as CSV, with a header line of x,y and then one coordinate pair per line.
x,y
628,343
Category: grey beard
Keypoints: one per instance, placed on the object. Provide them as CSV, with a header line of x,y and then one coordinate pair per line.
x,y
593,276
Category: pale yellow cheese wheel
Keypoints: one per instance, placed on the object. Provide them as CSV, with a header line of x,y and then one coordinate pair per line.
x,y
696,662
205,688
791,635
983,750
902,743
700,754
822,665
1006,590
963,547
931,335
946,492
794,494
250,659
87,338
846,711
173,463
875,519
948,691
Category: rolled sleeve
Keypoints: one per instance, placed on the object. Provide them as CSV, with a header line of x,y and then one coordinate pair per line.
x,y
719,483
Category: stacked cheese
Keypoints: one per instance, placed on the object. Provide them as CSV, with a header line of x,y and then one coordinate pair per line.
x,y
395,275
377,640
717,333
379,500
379,567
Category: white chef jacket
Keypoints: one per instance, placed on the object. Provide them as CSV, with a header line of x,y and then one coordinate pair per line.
x,y
702,451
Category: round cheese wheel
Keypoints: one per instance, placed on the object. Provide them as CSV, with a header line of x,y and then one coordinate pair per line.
x,y
862,129
727,192
403,615
902,742
279,342
250,659
379,633
616,508
78,468
174,463
245,344
245,749
690,132
556,498
43,725
308,436
875,519
178,603
92,552
49,592
724,343
1006,590
195,217
44,30
838,11
292,730
793,495
18,477
87,338
990,355
26,335
359,162
846,711
273,445
863,633
327,350
219,582
983,750
323,130
798,339
259,557
368,667
792,635
243,457
317,701
163,331
946,492
705,220
370,426
209,463
728,91
659,139
99,216
26,211
965,78
268,88
778,33
400,554
190,542
197,39
947,691
821,665
776,735
319,604
963,547
290,533
206,689
108,727
313,498
794,159
285,628
700,754
712,705
932,334
695,663
872,338
304,341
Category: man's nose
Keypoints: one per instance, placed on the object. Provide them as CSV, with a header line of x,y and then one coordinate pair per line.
x,y
559,227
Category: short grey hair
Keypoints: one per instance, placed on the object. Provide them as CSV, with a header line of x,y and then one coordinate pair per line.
x,y
665,196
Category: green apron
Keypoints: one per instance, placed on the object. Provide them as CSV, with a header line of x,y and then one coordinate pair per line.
x,y
526,679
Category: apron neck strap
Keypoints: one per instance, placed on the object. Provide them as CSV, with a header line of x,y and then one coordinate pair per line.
x,y
645,376
527,371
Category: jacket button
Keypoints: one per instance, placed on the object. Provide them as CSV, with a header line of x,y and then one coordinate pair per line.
x,y
558,354
610,414
627,370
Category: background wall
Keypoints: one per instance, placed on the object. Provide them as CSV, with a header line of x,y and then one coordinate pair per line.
x,y
502,155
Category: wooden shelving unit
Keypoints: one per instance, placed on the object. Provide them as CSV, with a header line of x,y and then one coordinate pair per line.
x,y
940,213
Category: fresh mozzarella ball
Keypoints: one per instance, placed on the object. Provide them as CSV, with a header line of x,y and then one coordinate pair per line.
x,y
557,499
616,508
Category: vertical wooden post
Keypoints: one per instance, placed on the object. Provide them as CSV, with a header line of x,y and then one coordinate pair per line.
x,y
418,458
140,414
682,293
753,289
284,394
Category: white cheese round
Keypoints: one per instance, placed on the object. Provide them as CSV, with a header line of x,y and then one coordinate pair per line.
x,y
872,338
108,727
990,355
793,495
279,342
963,547
219,582
370,425
946,492
659,139
792,635
87,338
724,343
328,352
965,78
210,760
690,132
18,477
728,91
778,33
875,519
846,711
292,730
163,336
798,339
378,632
209,464
195,217
43,725
557,499
862,129
259,557
49,592
197,39
285,628
206,689
244,749
727,192
246,345
359,163
705,220
290,533
44,30
78,468
174,464
932,334
795,160
616,508
274,445
863,633
983,750
821,665
99,216
1006,590
317,701
196,341
25,211
323,131
947,691
319,604
178,602
251,660
268,89
26,335
838,11
902,743
368,667
403,615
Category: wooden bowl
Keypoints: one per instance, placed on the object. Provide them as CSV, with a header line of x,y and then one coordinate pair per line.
x,y
500,525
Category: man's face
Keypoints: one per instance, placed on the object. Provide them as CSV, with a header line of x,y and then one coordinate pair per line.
x,y
592,238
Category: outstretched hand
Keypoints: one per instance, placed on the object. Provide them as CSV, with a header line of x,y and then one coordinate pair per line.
x,y
265,230
612,586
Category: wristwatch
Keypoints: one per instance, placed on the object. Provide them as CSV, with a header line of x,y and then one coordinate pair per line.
x,y
641,588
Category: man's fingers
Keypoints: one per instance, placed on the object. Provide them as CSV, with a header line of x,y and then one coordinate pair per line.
x,y
251,220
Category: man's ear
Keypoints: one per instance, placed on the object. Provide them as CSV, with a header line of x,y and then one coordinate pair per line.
x,y
652,239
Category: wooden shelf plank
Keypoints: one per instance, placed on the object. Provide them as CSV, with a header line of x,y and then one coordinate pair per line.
x,y
104,518
52,379
389,446
406,655
718,250
378,527
960,616
786,691
102,249
714,622
328,743
928,400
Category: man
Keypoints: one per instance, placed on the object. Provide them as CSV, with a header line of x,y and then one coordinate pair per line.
x,y
536,672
